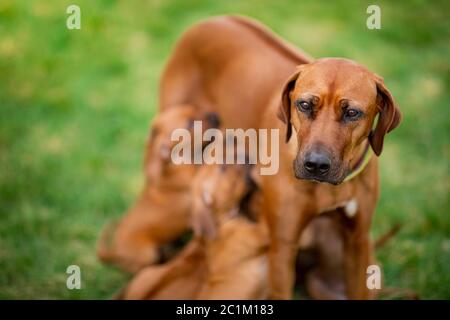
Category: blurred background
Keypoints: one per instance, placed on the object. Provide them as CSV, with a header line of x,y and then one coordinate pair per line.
x,y
75,108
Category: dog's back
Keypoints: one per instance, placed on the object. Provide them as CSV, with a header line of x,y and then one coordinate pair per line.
x,y
212,54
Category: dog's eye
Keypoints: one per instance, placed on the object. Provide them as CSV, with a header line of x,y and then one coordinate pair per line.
x,y
352,114
303,106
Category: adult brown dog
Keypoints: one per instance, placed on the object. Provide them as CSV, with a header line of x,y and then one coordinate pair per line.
x,y
237,68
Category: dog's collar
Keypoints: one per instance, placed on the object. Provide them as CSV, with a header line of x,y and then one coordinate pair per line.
x,y
361,164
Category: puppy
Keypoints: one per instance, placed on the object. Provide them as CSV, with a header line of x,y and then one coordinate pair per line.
x,y
225,204
227,259
161,213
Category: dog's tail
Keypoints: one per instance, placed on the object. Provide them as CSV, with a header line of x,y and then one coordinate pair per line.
x,y
396,293
382,240
392,292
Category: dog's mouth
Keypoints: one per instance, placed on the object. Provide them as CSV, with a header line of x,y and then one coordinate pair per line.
x,y
334,176
309,177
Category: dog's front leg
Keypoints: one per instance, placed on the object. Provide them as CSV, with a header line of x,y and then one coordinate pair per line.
x,y
284,234
358,255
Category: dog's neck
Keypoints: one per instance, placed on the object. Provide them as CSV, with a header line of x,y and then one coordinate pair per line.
x,y
358,163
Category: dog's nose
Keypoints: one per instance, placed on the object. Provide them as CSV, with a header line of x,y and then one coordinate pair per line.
x,y
317,162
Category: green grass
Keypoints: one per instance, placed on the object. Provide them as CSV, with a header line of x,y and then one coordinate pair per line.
x,y
75,108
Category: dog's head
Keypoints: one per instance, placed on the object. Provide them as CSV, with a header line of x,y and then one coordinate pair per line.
x,y
158,162
219,191
331,105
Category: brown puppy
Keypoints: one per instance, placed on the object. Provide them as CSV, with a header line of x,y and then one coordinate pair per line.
x,y
239,69
161,213
229,262
235,247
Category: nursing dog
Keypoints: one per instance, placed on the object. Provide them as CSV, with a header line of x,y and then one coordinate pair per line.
x,y
328,107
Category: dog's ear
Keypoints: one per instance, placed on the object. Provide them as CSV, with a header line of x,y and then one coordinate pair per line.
x,y
284,110
389,117
203,221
